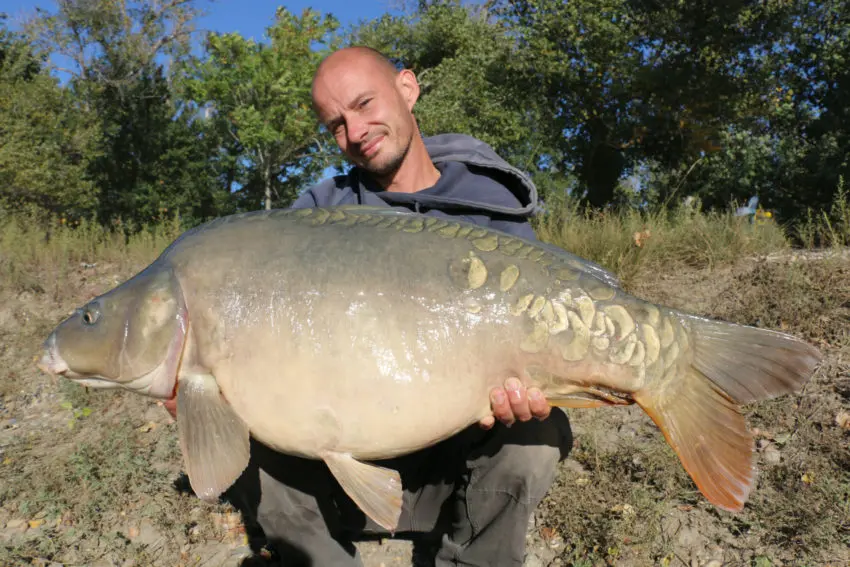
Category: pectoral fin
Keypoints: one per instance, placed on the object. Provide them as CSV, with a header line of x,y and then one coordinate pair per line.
x,y
214,440
376,490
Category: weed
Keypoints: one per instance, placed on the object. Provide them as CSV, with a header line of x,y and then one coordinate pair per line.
x,y
827,229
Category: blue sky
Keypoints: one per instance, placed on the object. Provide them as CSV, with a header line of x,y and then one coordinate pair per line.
x,y
248,17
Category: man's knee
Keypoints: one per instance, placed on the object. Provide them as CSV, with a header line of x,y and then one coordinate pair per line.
x,y
292,500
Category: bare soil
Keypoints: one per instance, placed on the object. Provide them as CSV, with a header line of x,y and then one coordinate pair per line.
x,y
94,478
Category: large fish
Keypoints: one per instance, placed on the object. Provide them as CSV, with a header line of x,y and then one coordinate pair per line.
x,y
352,334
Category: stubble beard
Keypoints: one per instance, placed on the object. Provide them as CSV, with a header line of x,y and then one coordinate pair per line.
x,y
391,165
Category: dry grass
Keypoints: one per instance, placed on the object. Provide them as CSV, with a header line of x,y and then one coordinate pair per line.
x,y
827,229
635,244
39,254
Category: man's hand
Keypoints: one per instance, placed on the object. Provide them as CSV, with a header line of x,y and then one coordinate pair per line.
x,y
514,402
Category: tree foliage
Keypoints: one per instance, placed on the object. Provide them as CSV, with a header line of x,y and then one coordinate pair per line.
x,y
258,97
623,103
45,141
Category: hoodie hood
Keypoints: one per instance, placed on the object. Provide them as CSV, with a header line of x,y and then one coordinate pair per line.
x,y
472,152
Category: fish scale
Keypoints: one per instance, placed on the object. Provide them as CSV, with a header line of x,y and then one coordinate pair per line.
x,y
351,334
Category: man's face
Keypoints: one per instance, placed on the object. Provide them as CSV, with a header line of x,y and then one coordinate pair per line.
x,y
368,110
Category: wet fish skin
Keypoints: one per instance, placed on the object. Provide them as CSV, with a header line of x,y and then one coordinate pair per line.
x,y
352,334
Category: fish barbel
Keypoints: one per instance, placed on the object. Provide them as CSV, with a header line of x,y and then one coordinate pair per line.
x,y
352,334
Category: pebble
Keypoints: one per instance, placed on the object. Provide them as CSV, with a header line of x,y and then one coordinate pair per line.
x,y
772,455
144,533
531,560
17,524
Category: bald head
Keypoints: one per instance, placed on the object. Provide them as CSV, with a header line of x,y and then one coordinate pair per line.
x,y
364,58
367,104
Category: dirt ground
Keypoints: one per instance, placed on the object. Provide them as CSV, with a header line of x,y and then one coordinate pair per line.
x,y
94,478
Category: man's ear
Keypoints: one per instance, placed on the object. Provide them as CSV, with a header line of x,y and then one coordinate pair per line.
x,y
408,86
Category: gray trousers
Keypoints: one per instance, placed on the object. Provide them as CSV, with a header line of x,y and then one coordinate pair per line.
x,y
473,493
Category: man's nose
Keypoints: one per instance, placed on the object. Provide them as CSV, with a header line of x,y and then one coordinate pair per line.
x,y
357,130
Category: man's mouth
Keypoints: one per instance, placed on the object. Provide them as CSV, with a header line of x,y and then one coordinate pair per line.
x,y
370,148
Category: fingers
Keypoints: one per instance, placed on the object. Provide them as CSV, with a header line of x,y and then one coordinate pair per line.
x,y
487,423
518,398
514,402
537,403
501,406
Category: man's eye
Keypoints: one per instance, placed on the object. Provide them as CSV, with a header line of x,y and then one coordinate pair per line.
x,y
365,102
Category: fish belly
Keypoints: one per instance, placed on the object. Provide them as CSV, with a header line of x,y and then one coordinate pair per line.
x,y
355,378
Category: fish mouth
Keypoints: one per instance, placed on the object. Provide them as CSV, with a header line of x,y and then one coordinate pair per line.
x,y
50,361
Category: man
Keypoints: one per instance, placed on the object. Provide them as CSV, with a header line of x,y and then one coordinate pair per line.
x,y
480,487
367,105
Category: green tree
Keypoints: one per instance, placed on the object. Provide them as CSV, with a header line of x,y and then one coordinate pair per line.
x,y
624,82
157,158
118,56
45,141
461,55
258,98
810,107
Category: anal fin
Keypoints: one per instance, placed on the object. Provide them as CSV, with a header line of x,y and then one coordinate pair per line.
x,y
576,396
213,439
376,490
577,403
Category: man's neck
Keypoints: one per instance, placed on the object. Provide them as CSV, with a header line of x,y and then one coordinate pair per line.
x,y
417,171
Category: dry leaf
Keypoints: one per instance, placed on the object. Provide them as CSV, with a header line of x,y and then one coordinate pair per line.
x,y
641,237
149,426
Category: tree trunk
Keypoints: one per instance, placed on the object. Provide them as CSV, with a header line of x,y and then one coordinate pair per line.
x,y
267,179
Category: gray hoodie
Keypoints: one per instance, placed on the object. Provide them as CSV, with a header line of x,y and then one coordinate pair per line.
x,y
476,185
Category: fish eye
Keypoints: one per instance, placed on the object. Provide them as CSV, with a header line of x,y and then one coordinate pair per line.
x,y
91,315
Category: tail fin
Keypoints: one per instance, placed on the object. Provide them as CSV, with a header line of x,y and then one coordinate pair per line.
x,y
751,364
698,410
